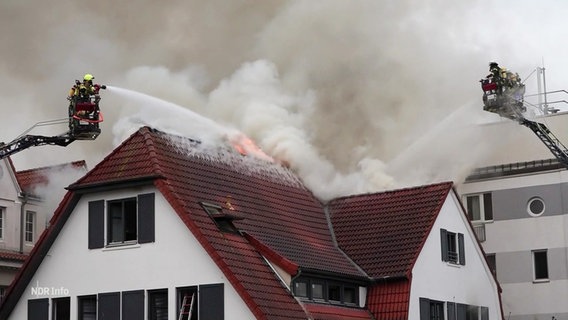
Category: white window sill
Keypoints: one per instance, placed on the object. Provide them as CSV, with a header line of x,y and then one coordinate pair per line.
x,y
121,246
454,264
541,281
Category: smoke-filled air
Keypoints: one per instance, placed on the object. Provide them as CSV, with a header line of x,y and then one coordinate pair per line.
x,y
353,96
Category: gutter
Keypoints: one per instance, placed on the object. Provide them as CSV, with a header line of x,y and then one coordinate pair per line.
x,y
24,197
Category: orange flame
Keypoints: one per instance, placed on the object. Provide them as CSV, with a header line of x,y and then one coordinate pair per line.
x,y
246,146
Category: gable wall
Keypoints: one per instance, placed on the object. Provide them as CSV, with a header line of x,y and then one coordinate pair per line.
x,y
435,279
175,259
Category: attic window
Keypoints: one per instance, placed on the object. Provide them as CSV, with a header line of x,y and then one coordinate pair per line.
x,y
224,221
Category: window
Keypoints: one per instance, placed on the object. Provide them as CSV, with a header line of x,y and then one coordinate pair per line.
x,y
453,247
431,309
127,221
326,290
492,263
207,303
540,263
158,304
224,221
480,207
187,303
472,313
2,293
2,219
30,226
122,221
108,306
317,290
349,295
61,309
334,292
301,289
535,206
38,309
87,307
132,305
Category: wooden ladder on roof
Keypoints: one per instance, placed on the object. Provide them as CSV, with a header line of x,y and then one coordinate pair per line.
x,y
186,309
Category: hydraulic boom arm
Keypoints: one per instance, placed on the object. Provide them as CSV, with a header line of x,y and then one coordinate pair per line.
x,y
28,141
549,139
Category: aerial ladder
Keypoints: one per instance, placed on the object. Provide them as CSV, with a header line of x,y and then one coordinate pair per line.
x,y
509,103
83,121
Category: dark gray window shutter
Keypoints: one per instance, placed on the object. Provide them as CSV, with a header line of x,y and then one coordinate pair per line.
x,y
96,224
146,218
444,238
38,309
484,313
451,311
461,311
133,305
109,306
424,309
461,249
211,302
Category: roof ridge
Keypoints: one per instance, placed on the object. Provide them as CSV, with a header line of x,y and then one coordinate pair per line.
x,y
153,154
360,195
72,163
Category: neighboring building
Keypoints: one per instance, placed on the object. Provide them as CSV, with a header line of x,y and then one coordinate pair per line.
x,y
162,224
23,214
520,214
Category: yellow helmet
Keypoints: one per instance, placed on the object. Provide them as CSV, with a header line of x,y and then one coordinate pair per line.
x,y
88,77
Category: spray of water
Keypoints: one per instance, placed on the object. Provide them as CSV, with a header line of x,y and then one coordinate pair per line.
x,y
172,118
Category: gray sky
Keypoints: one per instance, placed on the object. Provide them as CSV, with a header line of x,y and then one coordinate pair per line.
x,y
355,96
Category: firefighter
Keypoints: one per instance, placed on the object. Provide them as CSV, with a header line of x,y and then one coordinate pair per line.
x,y
85,89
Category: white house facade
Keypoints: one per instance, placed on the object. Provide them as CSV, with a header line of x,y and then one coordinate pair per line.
x,y
443,282
175,263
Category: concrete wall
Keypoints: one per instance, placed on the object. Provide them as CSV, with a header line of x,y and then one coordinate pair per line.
x,y
514,234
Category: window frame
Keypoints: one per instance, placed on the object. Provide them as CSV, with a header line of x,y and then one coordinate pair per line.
x,y
536,268
29,235
80,305
485,202
152,308
2,222
180,292
56,303
109,225
450,240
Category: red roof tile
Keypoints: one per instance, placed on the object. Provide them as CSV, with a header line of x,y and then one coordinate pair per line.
x,y
389,300
384,232
29,179
330,312
10,255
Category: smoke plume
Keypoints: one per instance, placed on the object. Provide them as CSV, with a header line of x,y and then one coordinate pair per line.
x,y
355,96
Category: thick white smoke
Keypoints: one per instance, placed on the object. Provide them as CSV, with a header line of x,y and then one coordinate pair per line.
x,y
355,96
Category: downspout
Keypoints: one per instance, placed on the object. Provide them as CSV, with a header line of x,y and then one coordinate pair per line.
x,y
22,220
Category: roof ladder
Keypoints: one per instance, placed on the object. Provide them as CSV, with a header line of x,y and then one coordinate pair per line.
x,y
186,307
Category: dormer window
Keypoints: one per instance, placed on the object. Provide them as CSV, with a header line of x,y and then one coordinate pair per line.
x,y
326,290
224,221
